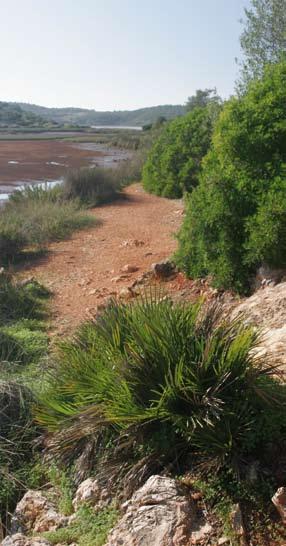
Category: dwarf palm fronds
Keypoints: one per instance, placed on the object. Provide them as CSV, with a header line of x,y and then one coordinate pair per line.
x,y
159,377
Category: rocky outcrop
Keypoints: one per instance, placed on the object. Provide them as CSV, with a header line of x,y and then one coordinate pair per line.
x,y
161,513
279,501
21,540
90,492
267,310
36,513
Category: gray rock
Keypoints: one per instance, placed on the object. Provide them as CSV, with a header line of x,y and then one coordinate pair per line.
x,y
37,514
90,492
161,513
21,540
279,501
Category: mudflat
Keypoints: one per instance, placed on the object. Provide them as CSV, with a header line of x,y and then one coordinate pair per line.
x,y
40,160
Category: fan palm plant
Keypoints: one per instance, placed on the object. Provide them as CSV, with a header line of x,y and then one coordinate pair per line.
x,y
159,377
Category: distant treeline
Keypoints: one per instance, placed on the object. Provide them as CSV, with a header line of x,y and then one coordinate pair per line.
x,y
81,116
13,114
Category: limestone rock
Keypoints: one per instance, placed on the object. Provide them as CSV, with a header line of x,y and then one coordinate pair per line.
x,y
161,513
279,501
118,278
20,540
266,309
126,293
163,270
36,513
90,492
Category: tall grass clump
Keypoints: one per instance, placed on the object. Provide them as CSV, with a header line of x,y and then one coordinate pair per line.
x,y
155,379
17,432
36,217
95,186
23,343
91,186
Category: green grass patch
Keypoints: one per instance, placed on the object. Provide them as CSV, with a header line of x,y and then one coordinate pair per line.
x,y
19,344
88,529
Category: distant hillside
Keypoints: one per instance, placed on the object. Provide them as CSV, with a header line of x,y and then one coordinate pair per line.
x,y
12,115
82,116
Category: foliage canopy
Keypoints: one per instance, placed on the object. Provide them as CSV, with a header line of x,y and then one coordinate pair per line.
x,y
235,219
263,39
174,162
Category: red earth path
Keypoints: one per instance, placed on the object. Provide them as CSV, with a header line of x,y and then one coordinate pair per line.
x,y
86,269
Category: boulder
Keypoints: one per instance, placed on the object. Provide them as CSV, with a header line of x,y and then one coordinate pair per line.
x,y
126,293
266,309
20,540
161,513
163,270
279,501
90,492
36,513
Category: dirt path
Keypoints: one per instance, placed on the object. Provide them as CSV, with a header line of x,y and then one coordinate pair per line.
x,y
84,270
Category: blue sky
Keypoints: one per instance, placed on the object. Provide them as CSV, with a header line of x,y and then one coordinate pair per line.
x,y
117,54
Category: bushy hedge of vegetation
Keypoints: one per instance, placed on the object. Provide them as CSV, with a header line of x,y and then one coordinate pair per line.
x,y
236,218
158,380
174,163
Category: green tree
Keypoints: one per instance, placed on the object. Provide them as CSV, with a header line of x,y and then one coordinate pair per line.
x,y
263,39
235,219
174,162
202,98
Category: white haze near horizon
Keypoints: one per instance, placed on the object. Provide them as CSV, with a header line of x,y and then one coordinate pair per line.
x,y
117,55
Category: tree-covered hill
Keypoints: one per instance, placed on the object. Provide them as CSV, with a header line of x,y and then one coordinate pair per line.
x,y
82,116
12,115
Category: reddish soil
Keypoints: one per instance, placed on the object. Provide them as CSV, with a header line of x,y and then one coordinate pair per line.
x,y
82,272
35,159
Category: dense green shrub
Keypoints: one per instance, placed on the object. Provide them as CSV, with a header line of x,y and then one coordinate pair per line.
x,y
174,162
235,219
161,379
